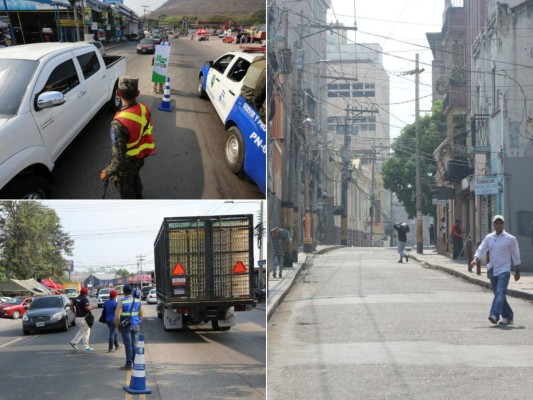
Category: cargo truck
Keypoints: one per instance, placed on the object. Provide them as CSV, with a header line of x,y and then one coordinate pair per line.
x,y
204,270
71,289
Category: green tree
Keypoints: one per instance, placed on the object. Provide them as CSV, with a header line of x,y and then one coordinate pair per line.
x,y
32,241
399,171
122,272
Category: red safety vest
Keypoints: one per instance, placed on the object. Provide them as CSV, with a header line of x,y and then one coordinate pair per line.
x,y
139,124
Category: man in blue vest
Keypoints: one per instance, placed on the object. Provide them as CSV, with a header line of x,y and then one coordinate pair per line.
x,y
129,307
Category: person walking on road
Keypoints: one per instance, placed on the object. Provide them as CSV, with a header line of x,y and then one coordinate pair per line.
x,y
129,307
132,140
402,229
431,234
110,307
80,307
457,236
503,249
277,236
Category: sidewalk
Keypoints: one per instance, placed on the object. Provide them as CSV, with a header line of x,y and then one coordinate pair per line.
x,y
278,288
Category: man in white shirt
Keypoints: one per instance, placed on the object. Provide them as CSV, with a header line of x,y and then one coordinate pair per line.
x,y
503,247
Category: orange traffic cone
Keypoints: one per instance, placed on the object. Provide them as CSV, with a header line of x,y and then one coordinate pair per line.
x,y
138,376
165,103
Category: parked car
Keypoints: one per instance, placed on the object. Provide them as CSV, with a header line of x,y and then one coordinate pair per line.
x,y
99,46
48,312
15,307
157,39
144,292
93,292
103,295
146,46
60,88
3,299
151,298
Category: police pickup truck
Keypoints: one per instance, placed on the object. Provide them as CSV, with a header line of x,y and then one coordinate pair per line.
x,y
221,81
50,92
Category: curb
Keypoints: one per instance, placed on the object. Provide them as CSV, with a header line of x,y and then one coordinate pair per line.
x,y
274,306
510,292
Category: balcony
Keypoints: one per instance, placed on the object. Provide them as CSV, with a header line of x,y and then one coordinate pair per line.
x,y
454,100
480,133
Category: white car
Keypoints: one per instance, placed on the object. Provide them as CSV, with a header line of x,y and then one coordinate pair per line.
x,y
103,295
152,297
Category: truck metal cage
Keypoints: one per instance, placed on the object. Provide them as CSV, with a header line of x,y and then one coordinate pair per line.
x,y
205,258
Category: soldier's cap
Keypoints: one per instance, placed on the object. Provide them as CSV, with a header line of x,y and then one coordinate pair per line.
x,y
128,82
497,217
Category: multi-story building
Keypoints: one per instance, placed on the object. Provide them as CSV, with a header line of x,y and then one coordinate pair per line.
x,y
485,75
358,107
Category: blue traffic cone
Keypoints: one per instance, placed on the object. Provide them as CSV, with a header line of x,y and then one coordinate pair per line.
x,y
165,103
138,376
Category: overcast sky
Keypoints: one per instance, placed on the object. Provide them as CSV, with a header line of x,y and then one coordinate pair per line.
x,y
400,27
113,233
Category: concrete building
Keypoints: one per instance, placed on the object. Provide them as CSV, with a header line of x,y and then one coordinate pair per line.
x,y
485,75
357,106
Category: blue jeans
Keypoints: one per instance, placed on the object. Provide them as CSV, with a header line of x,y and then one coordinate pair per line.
x,y
129,337
401,246
277,262
113,341
499,287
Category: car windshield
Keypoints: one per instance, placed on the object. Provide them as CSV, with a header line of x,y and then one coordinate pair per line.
x,y
105,291
15,76
46,302
14,300
71,290
152,291
147,41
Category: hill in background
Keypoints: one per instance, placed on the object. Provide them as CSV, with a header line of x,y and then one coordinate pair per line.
x,y
207,9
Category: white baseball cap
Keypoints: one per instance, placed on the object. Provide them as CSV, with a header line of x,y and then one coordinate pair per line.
x,y
496,217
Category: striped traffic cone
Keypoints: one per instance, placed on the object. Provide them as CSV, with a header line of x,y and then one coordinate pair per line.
x,y
165,103
138,376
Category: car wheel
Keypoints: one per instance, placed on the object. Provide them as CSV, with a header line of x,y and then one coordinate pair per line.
x,y
234,150
200,92
65,328
217,327
73,323
27,187
16,314
26,332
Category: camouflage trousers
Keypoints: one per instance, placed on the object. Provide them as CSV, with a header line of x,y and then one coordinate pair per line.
x,y
128,182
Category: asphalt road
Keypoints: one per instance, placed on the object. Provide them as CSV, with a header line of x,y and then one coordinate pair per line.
x,y
197,363
358,325
189,163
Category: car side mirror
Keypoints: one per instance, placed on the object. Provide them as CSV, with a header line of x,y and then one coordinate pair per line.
x,y
26,307
209,64
50,99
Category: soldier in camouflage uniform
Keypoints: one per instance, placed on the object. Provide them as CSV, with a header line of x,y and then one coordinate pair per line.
x,y
132,141
254,85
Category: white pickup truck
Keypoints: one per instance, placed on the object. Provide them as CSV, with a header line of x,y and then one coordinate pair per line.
x,y
50,92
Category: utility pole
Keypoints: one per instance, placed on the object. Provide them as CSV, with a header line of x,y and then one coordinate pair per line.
x,y
372,193
345,178
419,235
140,266
144,16
308,241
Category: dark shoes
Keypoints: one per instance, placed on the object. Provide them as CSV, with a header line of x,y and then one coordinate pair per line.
x,y
126,368
406,258
400,261
281,276
117,347
493,319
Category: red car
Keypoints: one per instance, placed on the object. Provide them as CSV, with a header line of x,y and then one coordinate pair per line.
x,y
15,307
146,46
